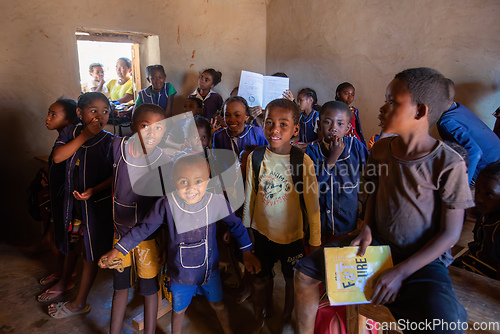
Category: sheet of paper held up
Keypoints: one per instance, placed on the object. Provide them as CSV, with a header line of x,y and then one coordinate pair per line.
x,y
259,90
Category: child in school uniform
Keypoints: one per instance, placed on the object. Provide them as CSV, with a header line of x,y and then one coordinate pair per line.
x,y
417,208
190,213
197,136
338,160
212,101
271,211
61,113
345,93
87,199
137,161
483,256
160,92
176,137
238,134
308,105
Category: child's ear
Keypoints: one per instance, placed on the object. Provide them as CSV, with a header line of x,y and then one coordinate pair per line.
x,y
422,111
79,112
296,129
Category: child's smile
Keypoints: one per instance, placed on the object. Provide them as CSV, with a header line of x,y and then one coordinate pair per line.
x,y
279,129
191,182
235,117
157,80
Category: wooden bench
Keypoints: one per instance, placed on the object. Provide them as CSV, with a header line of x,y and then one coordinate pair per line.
x,y
479,295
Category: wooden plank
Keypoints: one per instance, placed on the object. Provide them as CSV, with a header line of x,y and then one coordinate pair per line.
x,y
138,321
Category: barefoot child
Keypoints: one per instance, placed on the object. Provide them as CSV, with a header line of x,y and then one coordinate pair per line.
x,y
61,113
271,206
87,200
190,214
417,208
133,159
338,162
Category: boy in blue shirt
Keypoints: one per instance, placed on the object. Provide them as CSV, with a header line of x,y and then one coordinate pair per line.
x,y
417,208
190,214
338,162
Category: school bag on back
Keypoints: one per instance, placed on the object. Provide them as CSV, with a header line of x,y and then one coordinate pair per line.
x,y
297,166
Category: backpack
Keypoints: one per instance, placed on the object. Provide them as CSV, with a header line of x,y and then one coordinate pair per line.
x,y
297,164
39,197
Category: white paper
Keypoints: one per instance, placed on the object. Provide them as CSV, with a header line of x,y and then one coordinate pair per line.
x,y
259,90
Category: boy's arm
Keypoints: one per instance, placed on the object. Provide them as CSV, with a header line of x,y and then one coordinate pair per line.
x,y
389,283
106,184
311,200
65,151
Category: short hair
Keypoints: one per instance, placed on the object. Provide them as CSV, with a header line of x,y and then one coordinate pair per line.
x,y
335,105
69,107
240,99
427,86
280,74
216,75
285,104
151,68
86,99
91,66
309,92
189,160
492,171
127,61
199,102
145,108
341,88
460,150
200,122
451,91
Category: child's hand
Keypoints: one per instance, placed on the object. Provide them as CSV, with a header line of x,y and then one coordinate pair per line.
x,y
387,286
363,240
336,149
109,256
215,125
287,94
93,128
251,262
255,112
85,195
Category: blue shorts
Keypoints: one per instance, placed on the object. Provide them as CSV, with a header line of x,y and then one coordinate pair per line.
x,y
183,293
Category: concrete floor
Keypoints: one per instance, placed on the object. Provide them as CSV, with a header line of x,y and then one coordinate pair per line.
x,y
21,313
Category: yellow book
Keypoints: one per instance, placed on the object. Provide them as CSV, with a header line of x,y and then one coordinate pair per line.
x,y
349,277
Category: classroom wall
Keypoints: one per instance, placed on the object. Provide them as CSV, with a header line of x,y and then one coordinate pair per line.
x,y
39,63
366,42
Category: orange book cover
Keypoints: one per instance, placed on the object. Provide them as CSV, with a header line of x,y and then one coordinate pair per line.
x,y
349,277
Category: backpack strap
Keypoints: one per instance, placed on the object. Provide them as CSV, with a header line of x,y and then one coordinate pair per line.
x,y
257,157
297,166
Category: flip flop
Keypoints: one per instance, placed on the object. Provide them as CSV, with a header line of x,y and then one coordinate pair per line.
x,y
53,295
52,278
63,312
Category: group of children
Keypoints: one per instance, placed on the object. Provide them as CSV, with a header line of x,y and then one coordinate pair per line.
x,y
294,203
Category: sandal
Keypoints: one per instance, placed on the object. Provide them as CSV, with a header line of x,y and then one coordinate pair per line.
x,y
63,312
52,278
51,295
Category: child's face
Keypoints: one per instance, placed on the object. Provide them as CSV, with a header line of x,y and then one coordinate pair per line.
x,y
192,106
152,128
235,117
122,69
191,182
56,117
279,128
398,113
157,79
487,195
346,95
199,140
304,102
97,73
97,109
334,123
206,82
